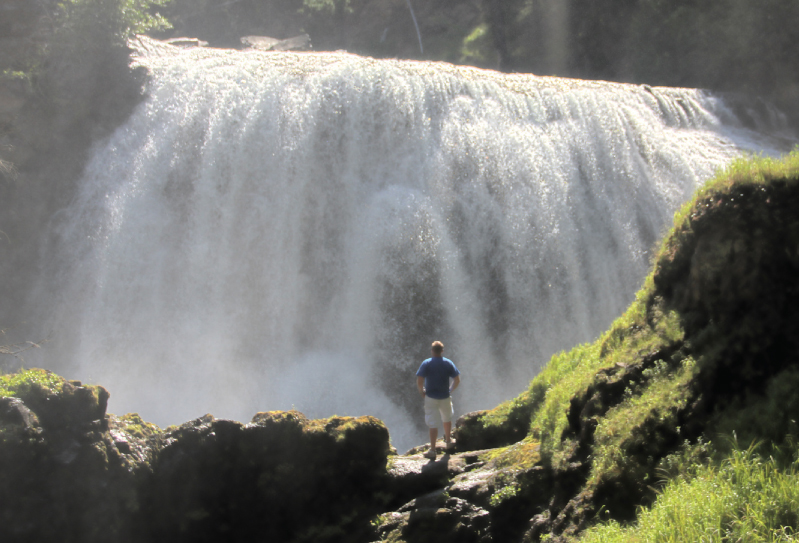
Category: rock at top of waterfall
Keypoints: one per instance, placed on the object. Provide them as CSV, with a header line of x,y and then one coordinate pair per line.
x,y
187,42
265,43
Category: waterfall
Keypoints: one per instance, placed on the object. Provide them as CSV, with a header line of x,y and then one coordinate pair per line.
x,y
278,230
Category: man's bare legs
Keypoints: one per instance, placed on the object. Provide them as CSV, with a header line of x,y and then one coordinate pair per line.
x,y
448,433
431,453
434,437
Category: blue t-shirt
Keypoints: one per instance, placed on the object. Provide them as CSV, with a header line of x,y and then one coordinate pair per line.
x,y
436,372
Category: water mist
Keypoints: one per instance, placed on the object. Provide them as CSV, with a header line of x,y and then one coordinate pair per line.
x,y
278,230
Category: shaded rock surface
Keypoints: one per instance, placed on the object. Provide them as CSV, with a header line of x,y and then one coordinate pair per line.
x,y
72,472
280,478
62,474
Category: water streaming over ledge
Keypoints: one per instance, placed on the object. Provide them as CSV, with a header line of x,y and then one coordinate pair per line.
x,y
277,230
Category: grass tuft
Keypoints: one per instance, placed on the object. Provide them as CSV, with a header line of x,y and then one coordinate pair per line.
x,y
744,498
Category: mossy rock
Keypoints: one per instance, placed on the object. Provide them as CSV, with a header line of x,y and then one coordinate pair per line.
x,y
730,270
62,476
57,402
507,423
282,477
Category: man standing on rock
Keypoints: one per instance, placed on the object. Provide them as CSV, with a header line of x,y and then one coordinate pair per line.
x,y
433,382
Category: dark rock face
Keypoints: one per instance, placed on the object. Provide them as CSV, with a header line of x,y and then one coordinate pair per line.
x,y
69,472
474,496
437,517
62,477
472,432
498,427
280,478
732,277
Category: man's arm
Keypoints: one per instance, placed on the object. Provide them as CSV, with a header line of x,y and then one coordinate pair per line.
x,y
420,385
455,382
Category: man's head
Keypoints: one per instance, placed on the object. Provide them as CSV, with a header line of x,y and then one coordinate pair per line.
x,y
437,348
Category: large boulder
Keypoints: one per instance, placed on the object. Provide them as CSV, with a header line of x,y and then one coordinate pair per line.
x,y
70,472
282,477
63,476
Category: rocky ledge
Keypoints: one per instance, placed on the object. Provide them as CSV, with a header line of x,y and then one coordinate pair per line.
x,y
72,472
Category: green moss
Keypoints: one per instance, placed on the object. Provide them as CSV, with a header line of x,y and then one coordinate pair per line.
x,y
133,424
742,173
503,494
500,415
521,456
628,434
507,423
21,384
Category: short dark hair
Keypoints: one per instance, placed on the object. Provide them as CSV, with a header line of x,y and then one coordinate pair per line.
x,y
438,347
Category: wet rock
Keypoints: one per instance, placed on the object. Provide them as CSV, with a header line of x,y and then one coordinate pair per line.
x,y
414,474
14,412
185,43
436,517
265,43
476,486
135,441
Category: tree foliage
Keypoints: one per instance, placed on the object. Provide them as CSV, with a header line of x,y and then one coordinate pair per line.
x,y
726,45
117,19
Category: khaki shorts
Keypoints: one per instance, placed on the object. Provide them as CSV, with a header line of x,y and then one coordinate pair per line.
x,y
436,411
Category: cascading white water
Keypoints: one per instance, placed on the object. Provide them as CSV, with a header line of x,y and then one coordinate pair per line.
x,y
277,230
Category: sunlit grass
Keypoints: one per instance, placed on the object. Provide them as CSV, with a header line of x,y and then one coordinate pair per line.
x,y
746,498
626,425
633,335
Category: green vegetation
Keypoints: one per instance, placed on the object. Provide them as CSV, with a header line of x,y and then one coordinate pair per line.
x,y
117,19
727,45
20,384
66,63
476,46
745,498
133,424
69,30
706,351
